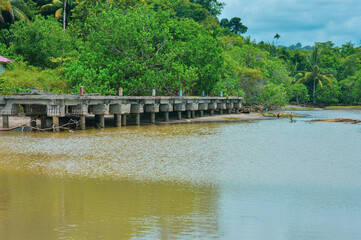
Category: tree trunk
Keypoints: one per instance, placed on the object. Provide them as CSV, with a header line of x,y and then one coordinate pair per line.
x,y
108,3
64,14
314,90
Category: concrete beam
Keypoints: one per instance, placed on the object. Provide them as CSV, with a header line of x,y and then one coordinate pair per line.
x,y
221,106
101,109
212,106
192,106
166,107
151,108
137,108
179,107
119,109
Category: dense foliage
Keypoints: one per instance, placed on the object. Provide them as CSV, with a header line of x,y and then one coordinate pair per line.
x,y
167,45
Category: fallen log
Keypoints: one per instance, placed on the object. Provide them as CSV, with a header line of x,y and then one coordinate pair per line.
x,y
344,120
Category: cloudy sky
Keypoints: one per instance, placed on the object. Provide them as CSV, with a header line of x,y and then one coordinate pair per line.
x,y
304,21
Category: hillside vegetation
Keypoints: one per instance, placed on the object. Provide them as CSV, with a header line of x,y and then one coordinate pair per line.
x,y
167,45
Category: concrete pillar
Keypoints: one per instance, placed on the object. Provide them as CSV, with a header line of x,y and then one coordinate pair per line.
x,y
137,119
33,122
96,119
56,124
201,113
237,110
6,121
82,122
166,117
189,114
179,116
43,121
152,118
100,120
229,111
211,112
220,111
193,114
124,120
118,120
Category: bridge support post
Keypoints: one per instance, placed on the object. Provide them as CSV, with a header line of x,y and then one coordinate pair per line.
x,y
201,113
45,123
82,122
193,114
189,114
55,121
6,121
220,111
166,117
152,118
137,119
33,121
211,112
118,120
179,115
100,121
124,120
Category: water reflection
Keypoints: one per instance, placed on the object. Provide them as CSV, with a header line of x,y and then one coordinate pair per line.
x,y
254,180
53,208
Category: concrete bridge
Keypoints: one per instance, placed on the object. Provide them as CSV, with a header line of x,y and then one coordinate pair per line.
x,y
50,108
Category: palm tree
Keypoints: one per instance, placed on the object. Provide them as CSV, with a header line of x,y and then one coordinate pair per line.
x,y
58,8
315,74
14,9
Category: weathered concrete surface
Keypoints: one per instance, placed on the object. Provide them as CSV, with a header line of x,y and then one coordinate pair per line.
x,y
58,106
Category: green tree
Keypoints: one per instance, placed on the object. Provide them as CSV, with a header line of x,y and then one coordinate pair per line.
x,y
315,75
234,25
329,93
140,49
299,93
213,6
273,96
41,41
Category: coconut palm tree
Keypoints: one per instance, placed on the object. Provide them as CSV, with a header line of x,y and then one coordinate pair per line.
x,y
14,9
314,74
58,8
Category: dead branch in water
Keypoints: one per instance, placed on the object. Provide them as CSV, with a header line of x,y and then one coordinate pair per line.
x,y
53,128
344,120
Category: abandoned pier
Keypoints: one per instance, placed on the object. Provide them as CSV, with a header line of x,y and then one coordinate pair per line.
x,y
51,109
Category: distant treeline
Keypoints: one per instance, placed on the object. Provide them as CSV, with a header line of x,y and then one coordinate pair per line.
x,y
167,45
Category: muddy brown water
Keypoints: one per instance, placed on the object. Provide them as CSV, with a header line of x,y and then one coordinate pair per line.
x,y
245,180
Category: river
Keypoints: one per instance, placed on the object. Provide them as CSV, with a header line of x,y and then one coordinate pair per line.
x,y
269,179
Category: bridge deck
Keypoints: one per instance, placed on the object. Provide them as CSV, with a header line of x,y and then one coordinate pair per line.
x,y
50,108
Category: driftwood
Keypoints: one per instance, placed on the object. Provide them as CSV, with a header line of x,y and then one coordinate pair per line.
x,y
344,120
24,127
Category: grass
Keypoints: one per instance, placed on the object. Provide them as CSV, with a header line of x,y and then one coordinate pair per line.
x,y
342,107
298,108
230,118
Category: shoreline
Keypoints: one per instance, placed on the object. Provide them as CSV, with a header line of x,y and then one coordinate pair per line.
x,y
17,121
